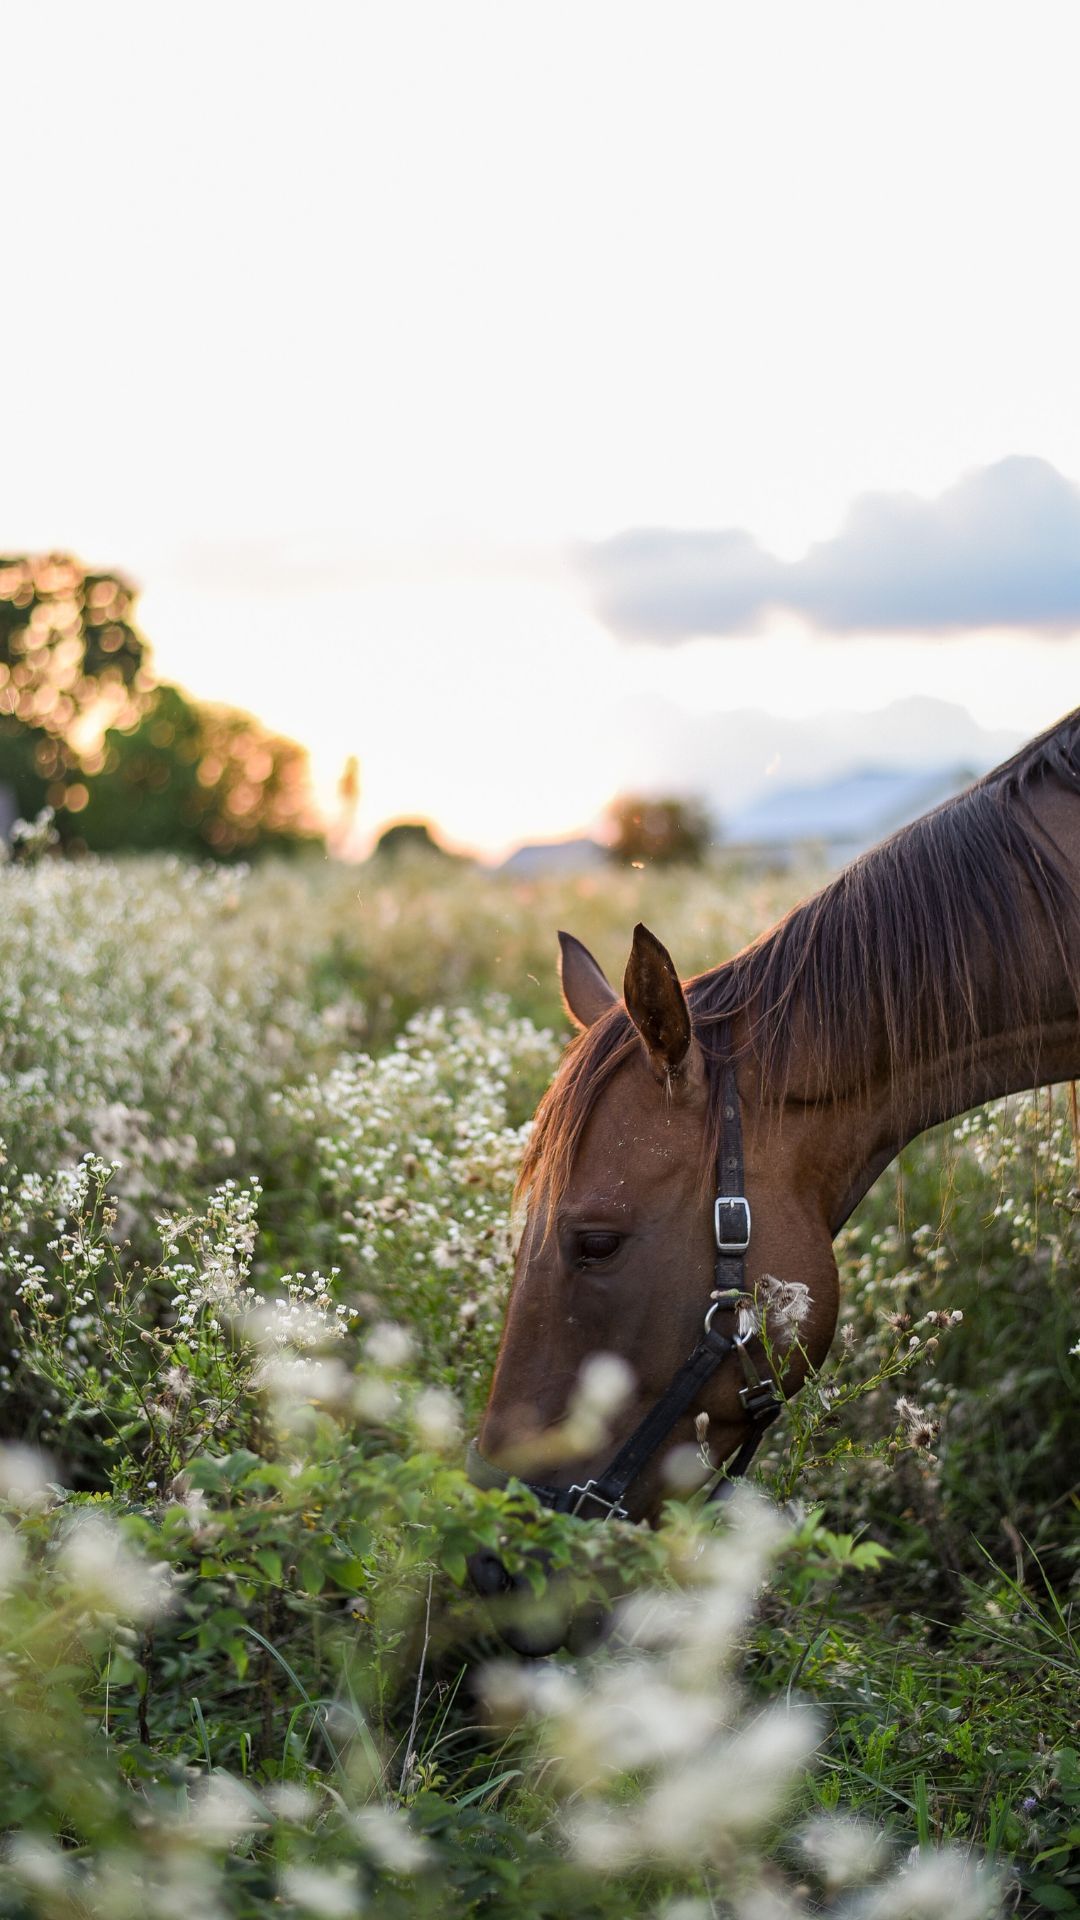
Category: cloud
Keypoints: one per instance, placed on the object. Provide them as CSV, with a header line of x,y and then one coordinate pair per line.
x,y
1000,548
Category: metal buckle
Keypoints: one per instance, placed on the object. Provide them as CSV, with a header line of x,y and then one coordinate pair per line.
x,y
760,1399
728,1201
613,1509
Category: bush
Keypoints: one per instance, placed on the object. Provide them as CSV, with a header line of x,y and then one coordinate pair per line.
x,y
657,830
240,1665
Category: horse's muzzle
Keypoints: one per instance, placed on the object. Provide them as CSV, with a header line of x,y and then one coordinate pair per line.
x,y
535,1624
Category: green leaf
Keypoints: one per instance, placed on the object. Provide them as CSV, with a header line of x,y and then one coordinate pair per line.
x,y
238,1654
123,1671
1053,1897
238,1465
312,1573
489,1786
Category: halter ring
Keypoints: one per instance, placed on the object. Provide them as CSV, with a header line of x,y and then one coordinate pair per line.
x,y
726,1305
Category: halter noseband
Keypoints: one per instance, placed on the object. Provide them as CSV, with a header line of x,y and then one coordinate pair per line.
x,y
759,1396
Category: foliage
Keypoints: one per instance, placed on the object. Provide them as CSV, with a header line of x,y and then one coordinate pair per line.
x,y
147,1015
273,1584
199,780
409,837
239,1660
126,763
657,829
71,659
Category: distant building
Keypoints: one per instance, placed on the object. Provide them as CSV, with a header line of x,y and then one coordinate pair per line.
x,y
555,856
840,818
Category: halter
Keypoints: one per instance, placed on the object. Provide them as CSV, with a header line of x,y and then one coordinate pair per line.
x,y
605,1497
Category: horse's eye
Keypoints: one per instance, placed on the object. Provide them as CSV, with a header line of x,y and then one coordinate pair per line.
x,y
598,1246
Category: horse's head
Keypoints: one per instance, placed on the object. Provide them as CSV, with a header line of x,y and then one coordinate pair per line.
x,y
616,1254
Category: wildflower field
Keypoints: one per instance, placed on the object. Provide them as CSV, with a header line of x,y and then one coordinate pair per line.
x,y
259,1134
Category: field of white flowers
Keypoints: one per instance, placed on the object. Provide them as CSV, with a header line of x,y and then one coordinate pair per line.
x,y
259,1133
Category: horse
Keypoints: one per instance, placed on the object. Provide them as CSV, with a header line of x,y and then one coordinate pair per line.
x,y
704,1139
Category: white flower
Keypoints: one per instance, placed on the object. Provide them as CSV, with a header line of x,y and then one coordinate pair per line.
x,y
943,1885
648,1619
375,1401
23,1477
686,1468
604,1384
107,1576
759,1902
786,1304
437,1419
920,1428
332,1894
37,1862
845,1852
224,1809
389,1346
602,1841
292,1802
710,1806
390,1839
602,1388
295,1379
511,1690
632,1718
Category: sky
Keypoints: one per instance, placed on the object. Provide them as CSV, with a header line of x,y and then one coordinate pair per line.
x,y
518,397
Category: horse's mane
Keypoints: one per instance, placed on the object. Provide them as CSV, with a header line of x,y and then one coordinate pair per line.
x,y
894,948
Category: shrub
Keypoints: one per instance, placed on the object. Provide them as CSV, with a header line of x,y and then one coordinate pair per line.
x,y
240,1665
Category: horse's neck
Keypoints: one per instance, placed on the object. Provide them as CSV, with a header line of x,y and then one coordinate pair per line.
x,y
1006,1052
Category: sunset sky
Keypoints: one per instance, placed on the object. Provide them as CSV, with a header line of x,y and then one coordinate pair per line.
x,y
493,392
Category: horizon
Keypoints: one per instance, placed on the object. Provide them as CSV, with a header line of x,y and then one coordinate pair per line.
x,y
970,760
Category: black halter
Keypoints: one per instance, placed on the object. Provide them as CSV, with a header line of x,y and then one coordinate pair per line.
x,y
759,1396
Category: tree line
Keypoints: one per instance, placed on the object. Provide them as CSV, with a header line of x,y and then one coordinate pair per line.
x,y
127,761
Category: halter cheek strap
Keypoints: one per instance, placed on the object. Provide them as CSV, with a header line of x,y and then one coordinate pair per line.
x,y
759,1397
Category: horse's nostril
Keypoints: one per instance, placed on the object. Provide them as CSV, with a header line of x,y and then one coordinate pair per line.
x,y
528,1624
488,1575
535,1624
587,1630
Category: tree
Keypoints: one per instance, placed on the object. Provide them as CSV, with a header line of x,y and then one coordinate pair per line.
x,y
126,762
198,779
71,663
410,837
658,831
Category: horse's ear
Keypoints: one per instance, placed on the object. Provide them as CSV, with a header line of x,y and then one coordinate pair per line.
x,y
656,1003
586,991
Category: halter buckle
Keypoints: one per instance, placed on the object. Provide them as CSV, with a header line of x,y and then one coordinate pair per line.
x,y
731,1223
761,1401
612,1509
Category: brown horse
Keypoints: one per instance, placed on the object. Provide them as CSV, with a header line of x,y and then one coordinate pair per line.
x,y
940,970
